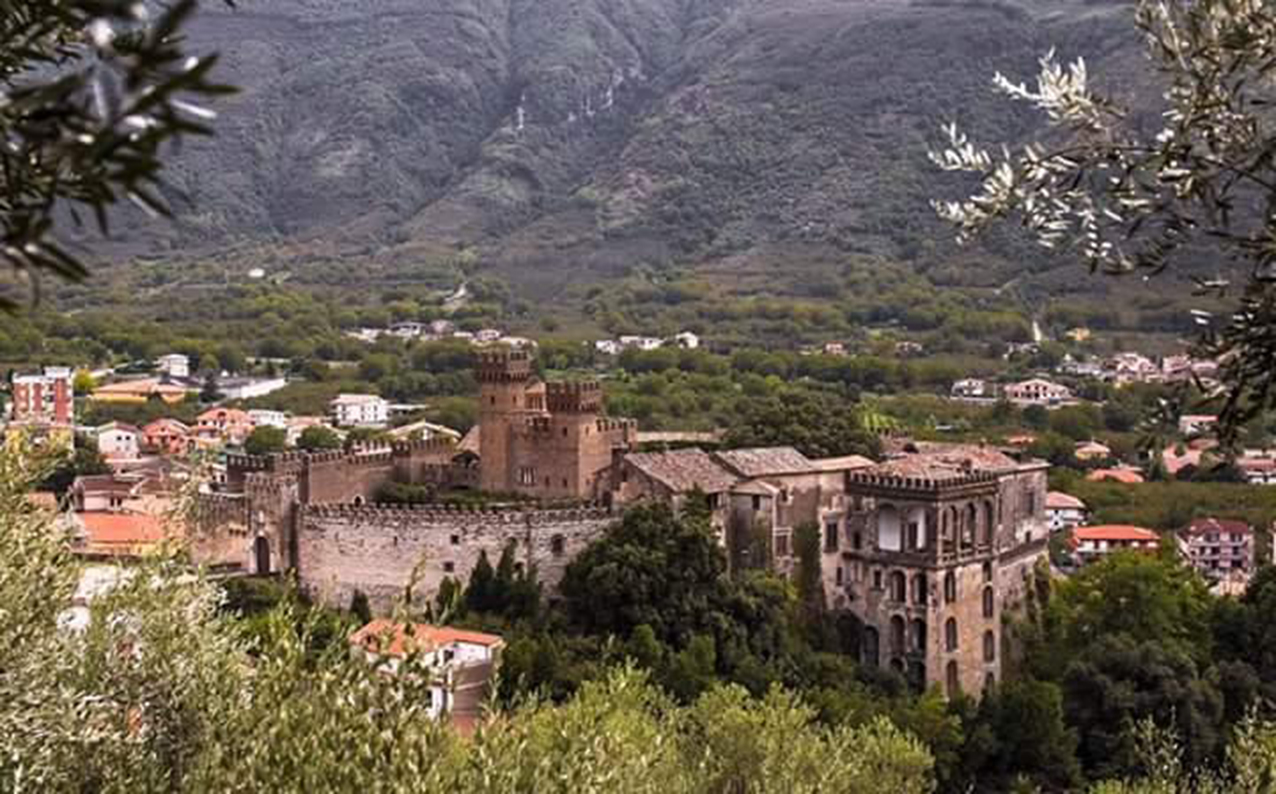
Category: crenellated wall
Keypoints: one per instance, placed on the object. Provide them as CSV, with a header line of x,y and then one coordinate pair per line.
x,y
382,550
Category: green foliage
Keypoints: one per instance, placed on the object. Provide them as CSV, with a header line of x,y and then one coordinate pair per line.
x,y
266,440
318,438
86,460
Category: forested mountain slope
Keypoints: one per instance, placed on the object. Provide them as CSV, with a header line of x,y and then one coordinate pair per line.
x,y
561,142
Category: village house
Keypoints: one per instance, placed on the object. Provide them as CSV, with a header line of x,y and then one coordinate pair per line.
x,y
167,437
1217,547
462,664
249,388
1065,511
971,388
296,425
118,441
687,340
265,418
1196,424
1258,467
44,399
1093,543
138,391
1125,368
645,343
1037,391
1121,475
115,535
229,425
174,365
1092,450
360,410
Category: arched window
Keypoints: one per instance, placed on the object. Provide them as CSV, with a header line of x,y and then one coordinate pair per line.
x,y
899,587
990,606
950,634
919,635
968,526
988,572
989,529
898,639
872,653
919,588
888,529
917,675
990,682
950,528
953,679
950,587
990,646
917,528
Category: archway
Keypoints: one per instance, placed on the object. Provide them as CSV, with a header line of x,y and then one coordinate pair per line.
x,y
919,635
899,587
919,589
261,554
953,679
917,539
898,635
988,530
872,652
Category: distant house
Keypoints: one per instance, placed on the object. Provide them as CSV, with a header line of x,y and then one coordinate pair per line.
x,y
1037,391
1092,450
1258,466
487,336
1126,476
1078,334
174,365
834,349
112,535
296,425
687,339
138,391
1217,547
971,388
641,342
1128,367
265,418
908,348
1094,543
1065,511
230,425
360,410
608,347
462,663
1196,424
424,431
248,388
118,441
167,437
408,330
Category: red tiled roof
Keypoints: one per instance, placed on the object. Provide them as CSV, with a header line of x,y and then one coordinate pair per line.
x,y
1057,500
119,533
762,461
1114,532
683,470
1200,526
934,461
1127,476
422,637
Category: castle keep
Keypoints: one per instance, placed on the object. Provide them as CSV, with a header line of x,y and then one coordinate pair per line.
x,y
927,549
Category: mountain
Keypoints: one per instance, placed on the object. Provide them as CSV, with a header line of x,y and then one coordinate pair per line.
x,y
559,143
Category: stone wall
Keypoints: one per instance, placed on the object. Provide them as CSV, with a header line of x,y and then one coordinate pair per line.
x,y
381,550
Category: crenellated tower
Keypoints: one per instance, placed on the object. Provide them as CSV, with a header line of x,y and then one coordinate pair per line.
x,y
504,376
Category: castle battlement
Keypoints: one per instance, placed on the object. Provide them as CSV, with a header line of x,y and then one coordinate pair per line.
x,y
920,484
606,425
503,366
450,514
574,397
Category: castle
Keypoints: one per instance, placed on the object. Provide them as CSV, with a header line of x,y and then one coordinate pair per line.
x,y
927,548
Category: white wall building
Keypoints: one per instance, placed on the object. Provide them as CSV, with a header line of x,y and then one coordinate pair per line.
x,y
248,388
1064,511
1037,391
360,410
265,418
118,441
174,365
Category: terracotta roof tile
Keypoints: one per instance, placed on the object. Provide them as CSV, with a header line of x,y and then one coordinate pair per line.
x,y
1124,532
762,461
423,637
1057,500
1200,526
684,470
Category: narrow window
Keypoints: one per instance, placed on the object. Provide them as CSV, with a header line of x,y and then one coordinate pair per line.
x,y
449,567
950,634
557,545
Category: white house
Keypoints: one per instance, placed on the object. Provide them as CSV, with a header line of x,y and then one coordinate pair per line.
x,y
608,347
641,342
407,330
360,410
265,418
687,340
460,663
1037,391
248,388
487,336
174,365
1092,543
118,441
1064,511
971,387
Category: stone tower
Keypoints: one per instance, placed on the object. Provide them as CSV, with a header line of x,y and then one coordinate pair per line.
x,y
503,376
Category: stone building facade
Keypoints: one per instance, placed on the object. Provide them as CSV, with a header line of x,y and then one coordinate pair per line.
x,y
544,440
934,546
380,550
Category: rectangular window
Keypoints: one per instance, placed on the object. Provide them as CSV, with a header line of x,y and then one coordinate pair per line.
x,y
757,503
456,540
877,580
839,574
449,567
781,545
830,536
526,475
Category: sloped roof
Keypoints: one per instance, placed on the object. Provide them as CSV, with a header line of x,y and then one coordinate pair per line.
x,y
403,639
1058,500
684,470
935,461
1127,476
844,463
166,424
1124,532
761,461
119,533
470,441
1200,526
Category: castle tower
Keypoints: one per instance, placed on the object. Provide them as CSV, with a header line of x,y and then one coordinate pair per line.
x,y
503,377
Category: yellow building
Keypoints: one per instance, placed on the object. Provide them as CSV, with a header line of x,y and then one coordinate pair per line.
x,y
138,391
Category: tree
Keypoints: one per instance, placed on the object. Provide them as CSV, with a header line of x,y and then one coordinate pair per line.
x,y
810,578
1133,198
318,438
86,460
266,440
817,423
211,393
93,90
